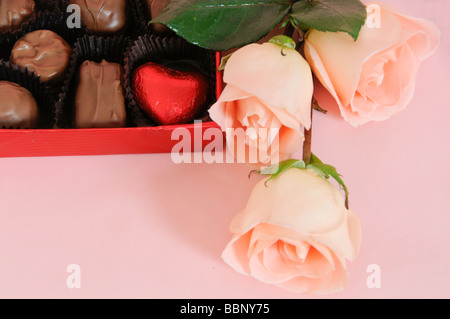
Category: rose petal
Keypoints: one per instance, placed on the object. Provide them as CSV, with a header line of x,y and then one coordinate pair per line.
x,y
304,205
342,57
422,36
235,253
344,66
334,282
283,81
315,265
265,275
276,264
297,253
303,201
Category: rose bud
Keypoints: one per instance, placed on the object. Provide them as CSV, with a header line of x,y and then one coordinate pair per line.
x,y
296,233
268,99
373,78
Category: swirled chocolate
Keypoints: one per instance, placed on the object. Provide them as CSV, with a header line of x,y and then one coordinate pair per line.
x,y
18,108
156,7
99,101
103,16
43,52
14,12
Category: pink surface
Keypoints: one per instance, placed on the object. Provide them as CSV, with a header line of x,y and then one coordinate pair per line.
x,y
143,227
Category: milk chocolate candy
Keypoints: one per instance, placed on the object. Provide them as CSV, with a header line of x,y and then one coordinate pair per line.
x,y
156,7
99,101
18,108
43,52
14,12
103,16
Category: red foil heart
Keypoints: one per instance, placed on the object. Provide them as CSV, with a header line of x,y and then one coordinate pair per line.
x,y
168,96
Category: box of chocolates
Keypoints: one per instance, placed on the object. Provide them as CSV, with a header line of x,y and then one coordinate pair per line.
x,y
93,77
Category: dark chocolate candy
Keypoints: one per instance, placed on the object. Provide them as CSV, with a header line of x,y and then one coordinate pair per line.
x,y
103,16
14,12
43,52
18,108
156,7
99,101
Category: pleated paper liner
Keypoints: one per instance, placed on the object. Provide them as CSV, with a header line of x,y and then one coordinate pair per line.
x,y
40,6
169,52
50,5
53,21
92,48
142,16
46,103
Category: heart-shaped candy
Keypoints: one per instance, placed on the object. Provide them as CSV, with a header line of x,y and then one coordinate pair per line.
x,y
168,96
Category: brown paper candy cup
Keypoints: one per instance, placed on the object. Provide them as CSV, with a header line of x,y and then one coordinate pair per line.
x,y
169,52
141,25
44,99
53,21
92,48
50,5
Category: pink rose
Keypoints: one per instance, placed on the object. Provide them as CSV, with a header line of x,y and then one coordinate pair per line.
x,y
373,78
265,104
295,233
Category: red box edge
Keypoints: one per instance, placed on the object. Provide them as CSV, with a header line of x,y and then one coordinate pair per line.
x,y
86,142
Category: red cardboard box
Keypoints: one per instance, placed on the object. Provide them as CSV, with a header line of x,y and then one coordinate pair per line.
x,y
81,142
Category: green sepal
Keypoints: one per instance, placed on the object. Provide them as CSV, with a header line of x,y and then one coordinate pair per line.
x,y
283,41
223,62
326,171
280,168
317,107
323,170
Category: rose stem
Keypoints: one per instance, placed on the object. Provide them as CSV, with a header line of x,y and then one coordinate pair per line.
x,y
289,31
308,141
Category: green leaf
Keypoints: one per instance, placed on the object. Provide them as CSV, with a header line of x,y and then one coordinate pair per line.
x,y
328,171
331,15
223,24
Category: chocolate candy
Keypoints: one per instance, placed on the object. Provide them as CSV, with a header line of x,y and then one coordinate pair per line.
x,y
43,52
103,16
156,7
169,96
99,101
14,12
18,108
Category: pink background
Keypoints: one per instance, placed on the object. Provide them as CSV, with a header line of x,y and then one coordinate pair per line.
x,y
143,227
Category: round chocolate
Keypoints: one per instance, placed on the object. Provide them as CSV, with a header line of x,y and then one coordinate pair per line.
x,y
43,52
103,16
14,12
18,108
